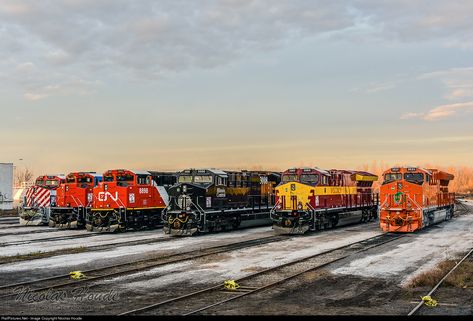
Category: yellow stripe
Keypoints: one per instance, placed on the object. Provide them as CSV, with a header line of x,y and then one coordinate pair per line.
x,y
321,190
364,178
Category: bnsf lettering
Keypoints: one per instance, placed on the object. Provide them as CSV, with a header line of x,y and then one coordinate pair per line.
x,y
144,190
103,196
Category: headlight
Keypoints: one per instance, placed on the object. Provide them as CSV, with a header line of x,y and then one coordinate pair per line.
x,y
131,197
184,188
188,208
279,206
89,197
299,206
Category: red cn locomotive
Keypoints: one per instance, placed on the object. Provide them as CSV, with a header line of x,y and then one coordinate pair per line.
x,y
39,199
129,199
412,198
74,199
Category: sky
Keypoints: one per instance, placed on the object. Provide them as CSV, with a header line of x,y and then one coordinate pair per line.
x,y
172,84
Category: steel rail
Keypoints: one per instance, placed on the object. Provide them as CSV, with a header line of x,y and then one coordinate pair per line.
x,y
421,303
219,286
214,250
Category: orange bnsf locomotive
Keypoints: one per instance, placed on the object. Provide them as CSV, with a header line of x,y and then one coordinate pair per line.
x,y
208,200
73,200
127,199
412,198
314,199
38,200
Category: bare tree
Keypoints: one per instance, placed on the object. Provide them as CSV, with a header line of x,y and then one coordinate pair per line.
x,y
23,176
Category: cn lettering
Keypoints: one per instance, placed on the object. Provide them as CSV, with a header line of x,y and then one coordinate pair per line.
x,y
103,196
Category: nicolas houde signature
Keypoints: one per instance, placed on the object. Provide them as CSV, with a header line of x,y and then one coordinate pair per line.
x,y
81,294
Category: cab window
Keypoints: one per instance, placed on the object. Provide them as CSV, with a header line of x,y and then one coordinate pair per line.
x,y
108,178
202,179
185,179
52,182
143,180
311,179
416,178
84,179
289,178
391,177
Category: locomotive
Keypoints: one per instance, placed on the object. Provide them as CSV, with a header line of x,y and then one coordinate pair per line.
x,y
413,198
38,200
208,200
314,199
129,199
73,200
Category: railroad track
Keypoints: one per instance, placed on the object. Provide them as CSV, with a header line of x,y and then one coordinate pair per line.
x,y
461,208
210,297
421,303
31,232
11,221
56,238
138,266
7,259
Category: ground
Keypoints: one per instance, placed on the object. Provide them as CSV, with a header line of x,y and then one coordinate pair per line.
x,y
375,282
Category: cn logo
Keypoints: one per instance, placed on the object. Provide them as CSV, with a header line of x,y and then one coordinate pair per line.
x,y
103,196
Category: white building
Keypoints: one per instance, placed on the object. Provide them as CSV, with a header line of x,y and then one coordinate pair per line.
x,y
6,186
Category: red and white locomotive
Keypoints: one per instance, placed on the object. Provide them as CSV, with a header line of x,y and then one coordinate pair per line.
x,y
38,200
73,200
129,199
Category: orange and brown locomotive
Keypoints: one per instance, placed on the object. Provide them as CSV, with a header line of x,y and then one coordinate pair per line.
x,y
412,198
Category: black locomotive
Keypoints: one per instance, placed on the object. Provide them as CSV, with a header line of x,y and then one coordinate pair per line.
x,y
207,200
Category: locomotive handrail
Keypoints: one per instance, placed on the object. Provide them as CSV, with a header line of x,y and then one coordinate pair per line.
x,y
272,210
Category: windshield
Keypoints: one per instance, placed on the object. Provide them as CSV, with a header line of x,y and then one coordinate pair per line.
x,y
203,179
125,178
108,178
51,182
70,179
416,178
185,179
391,177
309,178
84,179
289,178
39,182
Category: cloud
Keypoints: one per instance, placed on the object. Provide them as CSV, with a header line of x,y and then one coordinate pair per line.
x,y
422,20
457,81
441,112
98,40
